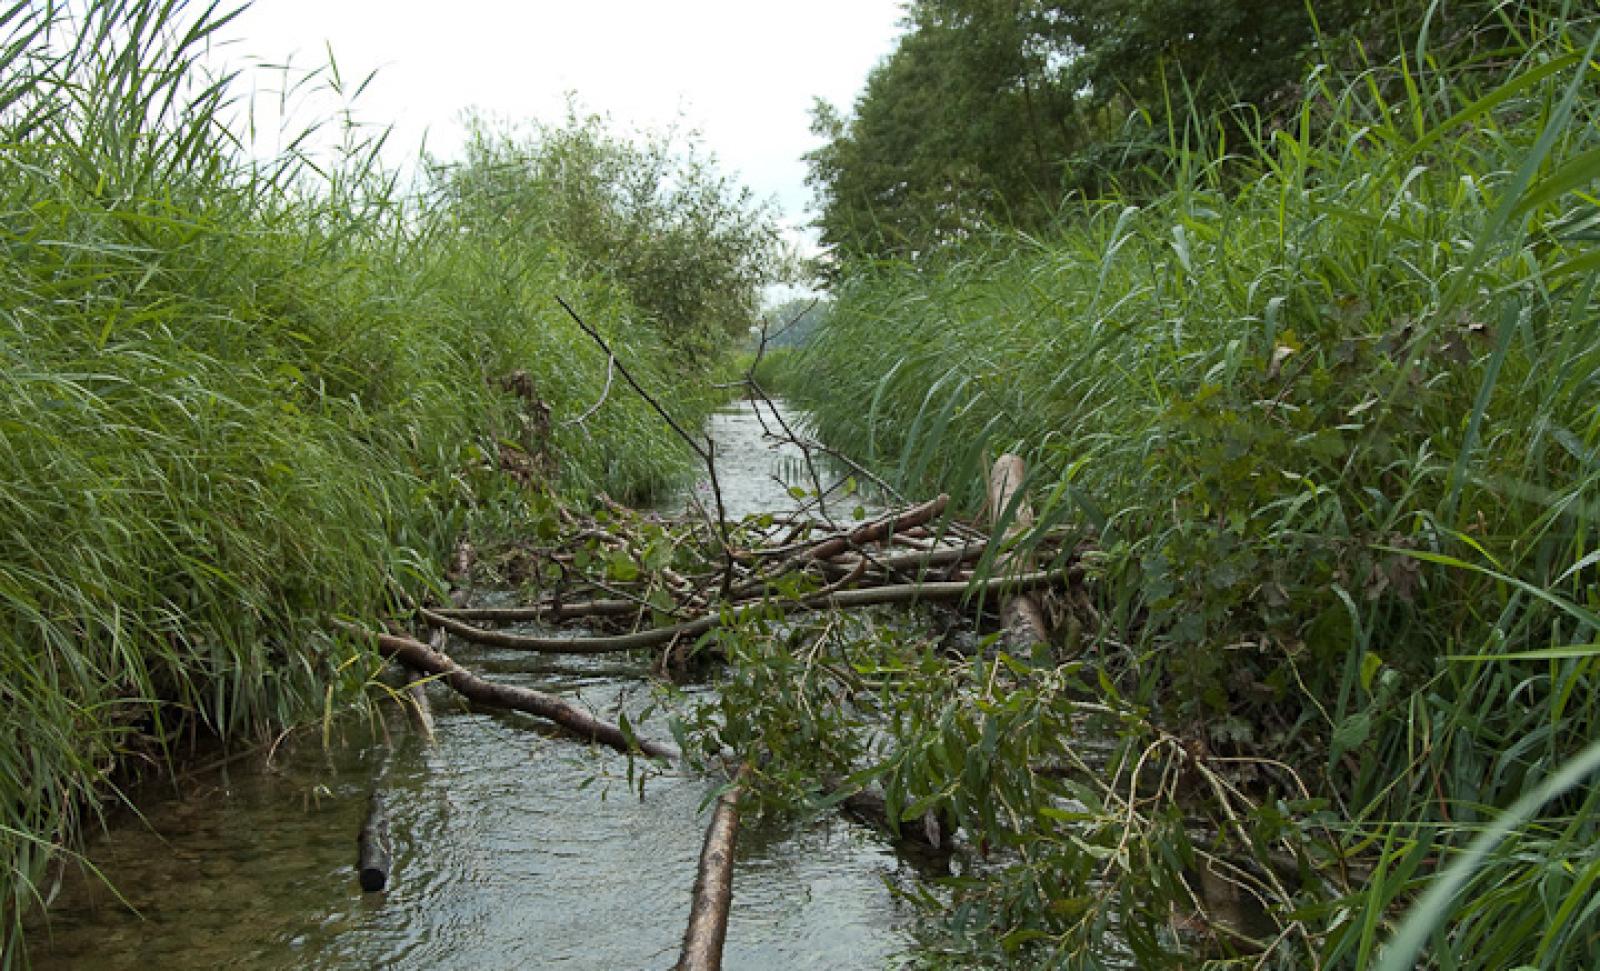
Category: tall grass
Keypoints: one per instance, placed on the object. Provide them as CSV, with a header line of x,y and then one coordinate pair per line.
x,y
237,396
1327,407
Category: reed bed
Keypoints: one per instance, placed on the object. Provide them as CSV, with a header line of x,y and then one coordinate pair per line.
x,y
1326,408
239,396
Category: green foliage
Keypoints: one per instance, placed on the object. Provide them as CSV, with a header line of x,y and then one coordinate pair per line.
x,y
1327,409
689,247
966,120
988,114
238,397
791,323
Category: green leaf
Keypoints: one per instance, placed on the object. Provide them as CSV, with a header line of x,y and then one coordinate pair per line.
x,y
1350,734
621,567
1572,174
1370,663
1542,654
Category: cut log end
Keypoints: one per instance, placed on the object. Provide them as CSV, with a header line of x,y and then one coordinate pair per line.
x,y
373,858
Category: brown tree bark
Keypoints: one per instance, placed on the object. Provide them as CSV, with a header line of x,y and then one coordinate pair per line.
x,y
879,529
1019,612
372,857
419,656
713,885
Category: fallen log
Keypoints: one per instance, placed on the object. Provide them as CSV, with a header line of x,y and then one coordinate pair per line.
x,y
417,655
655,637
713,885
900,563
811,552
459,572
372,854
556,611
869,806
552,610
879,529
1020,615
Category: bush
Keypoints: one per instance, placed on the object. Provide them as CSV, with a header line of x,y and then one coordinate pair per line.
x,y
691,249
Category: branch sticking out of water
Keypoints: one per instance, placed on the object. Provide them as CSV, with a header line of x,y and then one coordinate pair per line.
x,y
824,600
706,449
415,654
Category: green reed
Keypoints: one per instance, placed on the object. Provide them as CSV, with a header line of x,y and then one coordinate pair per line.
x,y
1326,409
239,396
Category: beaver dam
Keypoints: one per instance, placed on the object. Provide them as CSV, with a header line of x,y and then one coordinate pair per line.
x,y
500,841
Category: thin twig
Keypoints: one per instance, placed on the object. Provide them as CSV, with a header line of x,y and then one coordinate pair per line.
x,y
626,376
706,451
611,373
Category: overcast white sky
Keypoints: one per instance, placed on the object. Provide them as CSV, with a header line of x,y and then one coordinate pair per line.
x,y
742,72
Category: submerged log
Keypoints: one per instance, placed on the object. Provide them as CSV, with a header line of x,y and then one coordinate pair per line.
x,y
372,856
1020,615
713,885
419,709
417,655
929,833
841,599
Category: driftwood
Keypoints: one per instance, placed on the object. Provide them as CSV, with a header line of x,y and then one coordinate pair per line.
x,y
1020,615
655,637
713,885
609,571
913,564
416,696
556,611
419,656
372,857
879,530
819,553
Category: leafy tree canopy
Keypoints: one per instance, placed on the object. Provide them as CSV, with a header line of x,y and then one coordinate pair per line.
x,y
990,110
691,247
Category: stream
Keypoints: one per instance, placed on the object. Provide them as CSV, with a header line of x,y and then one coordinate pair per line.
x,y
512,847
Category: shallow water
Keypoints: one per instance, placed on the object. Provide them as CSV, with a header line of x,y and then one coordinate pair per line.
x,y
757,472
512,848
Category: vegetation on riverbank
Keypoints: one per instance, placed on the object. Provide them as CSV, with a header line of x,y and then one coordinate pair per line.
x,y
242,395
1325,410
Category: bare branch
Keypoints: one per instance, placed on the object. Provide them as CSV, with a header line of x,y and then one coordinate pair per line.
x,y
611,373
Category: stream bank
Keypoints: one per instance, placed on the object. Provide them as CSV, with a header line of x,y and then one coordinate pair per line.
x,y
510,847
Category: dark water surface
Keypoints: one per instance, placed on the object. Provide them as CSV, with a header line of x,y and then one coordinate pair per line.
x,y
512,848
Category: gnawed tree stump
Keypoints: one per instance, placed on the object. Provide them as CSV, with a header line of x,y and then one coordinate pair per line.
x,y
1020,615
